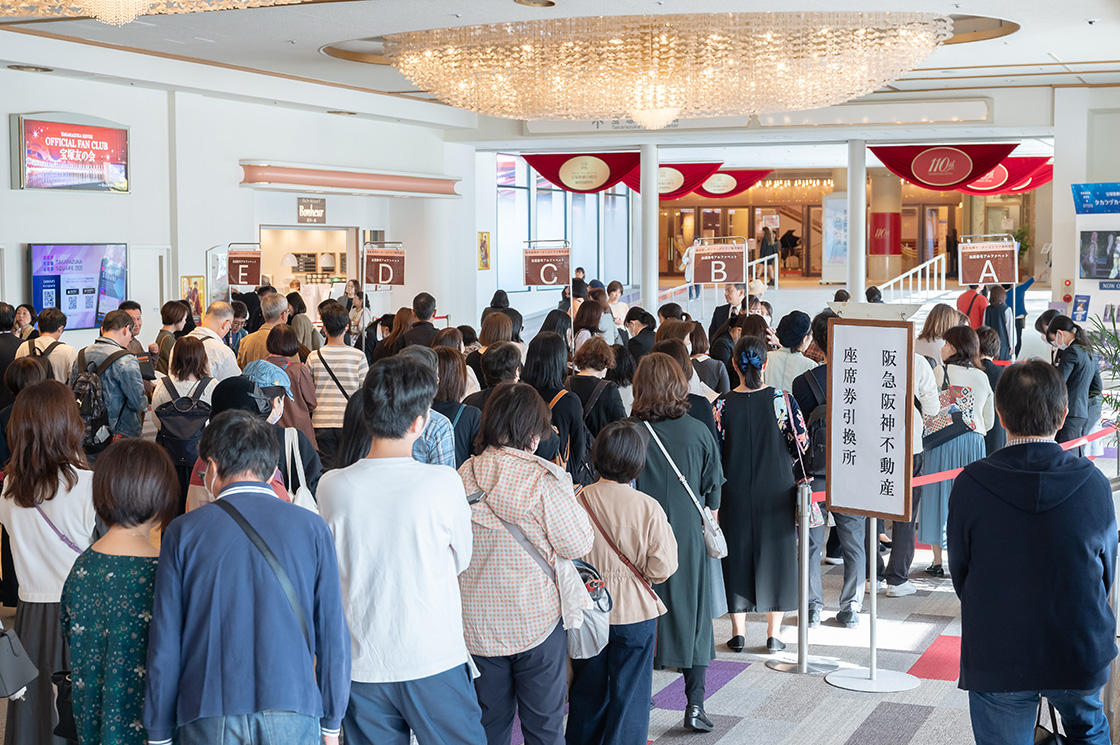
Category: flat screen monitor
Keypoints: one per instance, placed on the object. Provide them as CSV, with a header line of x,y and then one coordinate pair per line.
x,y
63,155
83,280
1100,254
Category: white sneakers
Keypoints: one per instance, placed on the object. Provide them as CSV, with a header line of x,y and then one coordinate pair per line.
x,y
898,591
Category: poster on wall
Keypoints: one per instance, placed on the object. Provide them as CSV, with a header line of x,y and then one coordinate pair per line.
x,y
193,290
834,264
216,268
483,252
1080,312
1100,254
84,281
58,155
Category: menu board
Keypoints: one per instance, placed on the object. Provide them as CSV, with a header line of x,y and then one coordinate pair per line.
x,y
57,155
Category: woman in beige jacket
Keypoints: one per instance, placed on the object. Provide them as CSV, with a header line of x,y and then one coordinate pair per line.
x,y
634,548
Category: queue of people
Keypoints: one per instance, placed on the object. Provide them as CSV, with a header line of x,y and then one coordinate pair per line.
x,y
327,599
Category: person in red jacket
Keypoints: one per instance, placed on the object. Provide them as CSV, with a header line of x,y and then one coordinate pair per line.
x,y
973,304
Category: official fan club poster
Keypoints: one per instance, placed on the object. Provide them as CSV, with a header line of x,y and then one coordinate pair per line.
x,y
74,156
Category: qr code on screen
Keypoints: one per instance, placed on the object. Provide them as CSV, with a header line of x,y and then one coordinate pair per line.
x,y
71,303
49,299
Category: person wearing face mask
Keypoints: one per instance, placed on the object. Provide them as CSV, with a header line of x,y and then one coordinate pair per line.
x,y
1078,367
1041,324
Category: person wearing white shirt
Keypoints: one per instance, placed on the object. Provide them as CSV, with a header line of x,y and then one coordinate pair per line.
x,y
961,367
215,325
399,559
61,356
618,308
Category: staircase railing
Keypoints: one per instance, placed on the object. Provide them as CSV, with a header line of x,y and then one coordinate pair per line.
x,y
917,285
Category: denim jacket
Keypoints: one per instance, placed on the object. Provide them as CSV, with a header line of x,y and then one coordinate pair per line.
x,y
121,386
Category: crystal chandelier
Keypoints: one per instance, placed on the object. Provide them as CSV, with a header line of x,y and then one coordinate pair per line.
x,y
120,12
654,69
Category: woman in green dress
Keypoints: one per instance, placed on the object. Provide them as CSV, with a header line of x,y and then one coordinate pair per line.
x,y
684,634
107,599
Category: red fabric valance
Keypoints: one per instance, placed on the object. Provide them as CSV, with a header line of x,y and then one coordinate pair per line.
x,y
585,173
941,166
729,182
1006,175
674,180
1039,178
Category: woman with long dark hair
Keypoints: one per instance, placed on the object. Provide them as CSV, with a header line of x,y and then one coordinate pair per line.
x,y
587,322
546,368
1077,365
402,322
763,439
465,419
961,366
684,634
306,334
47,508
496,328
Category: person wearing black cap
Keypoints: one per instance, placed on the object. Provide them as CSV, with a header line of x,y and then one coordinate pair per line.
x,y
789,362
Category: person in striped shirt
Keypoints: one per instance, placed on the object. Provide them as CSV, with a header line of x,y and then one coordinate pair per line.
x,y
337,370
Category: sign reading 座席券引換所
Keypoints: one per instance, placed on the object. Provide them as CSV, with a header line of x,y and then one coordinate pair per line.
x,y
870,417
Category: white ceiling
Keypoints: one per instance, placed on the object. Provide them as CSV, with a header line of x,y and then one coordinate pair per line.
x,y
1050,49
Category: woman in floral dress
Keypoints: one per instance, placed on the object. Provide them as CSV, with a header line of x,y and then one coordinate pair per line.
x,y
107,599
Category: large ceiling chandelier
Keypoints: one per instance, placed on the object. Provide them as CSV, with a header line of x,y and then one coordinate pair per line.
x,y
120,12
655,69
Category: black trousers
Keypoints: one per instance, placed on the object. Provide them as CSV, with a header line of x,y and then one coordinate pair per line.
x,y
896,570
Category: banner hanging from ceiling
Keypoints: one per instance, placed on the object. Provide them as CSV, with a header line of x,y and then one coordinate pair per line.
x,y
674,180
729,182
941,167
1004,177
1041,177
585,173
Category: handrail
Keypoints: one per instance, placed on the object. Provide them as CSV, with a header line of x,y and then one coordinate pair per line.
x,y
918,284
752,267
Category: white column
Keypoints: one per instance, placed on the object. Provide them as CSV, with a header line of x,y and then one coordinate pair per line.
x,y
857,218
650,239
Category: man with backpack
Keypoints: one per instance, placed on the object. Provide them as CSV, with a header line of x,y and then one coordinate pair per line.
x,y
338,371
56,357
119,387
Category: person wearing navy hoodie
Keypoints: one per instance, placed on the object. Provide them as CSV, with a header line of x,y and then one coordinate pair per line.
x,y
1033,522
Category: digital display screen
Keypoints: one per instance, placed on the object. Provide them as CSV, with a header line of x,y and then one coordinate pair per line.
x,y
84,281
73,156
1100,254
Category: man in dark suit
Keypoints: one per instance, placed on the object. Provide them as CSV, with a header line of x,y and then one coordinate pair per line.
x,y
735,293
9,343
423,331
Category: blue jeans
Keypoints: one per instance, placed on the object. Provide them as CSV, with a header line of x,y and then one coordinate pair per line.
x,y
261,728
853,536
1009,718
608,702
441,708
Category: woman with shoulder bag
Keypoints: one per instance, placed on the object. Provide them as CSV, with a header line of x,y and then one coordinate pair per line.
x,y
303,401
763,438
962,374
681,444
465,420
634,549
511,608
107,599
47,508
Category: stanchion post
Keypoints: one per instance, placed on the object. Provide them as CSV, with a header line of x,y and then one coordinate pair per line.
x,y
873,578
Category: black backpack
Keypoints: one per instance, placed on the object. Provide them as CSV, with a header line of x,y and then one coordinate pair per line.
x,y
91,402
181,421
41,356
816,456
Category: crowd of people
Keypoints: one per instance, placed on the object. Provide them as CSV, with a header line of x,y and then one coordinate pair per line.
x,y
379,527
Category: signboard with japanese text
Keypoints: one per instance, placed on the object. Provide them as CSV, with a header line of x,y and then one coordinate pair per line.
x,y
384,266
311,211
719,264
547,266
243,268
59,155
988,263
1093,199
870,417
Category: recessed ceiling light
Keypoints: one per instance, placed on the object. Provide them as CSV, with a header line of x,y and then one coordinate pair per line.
x,y
536,3
344,113
30,68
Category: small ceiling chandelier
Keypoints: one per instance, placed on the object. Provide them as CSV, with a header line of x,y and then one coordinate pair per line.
x,y
655,69
120,12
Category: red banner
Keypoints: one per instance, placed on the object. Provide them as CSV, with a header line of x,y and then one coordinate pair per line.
x,y
886,234
584,173
1002,178
941,167
674,180
1039,178
74,156
726,183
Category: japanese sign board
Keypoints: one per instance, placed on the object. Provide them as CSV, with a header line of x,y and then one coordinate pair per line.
x,y
988,263
870,417
384,266
311,211
547,266
719,264
1094,199
243,268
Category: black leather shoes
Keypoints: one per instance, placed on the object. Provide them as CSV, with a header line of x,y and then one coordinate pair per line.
x,y
935,570
774,645
696,720
736,643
